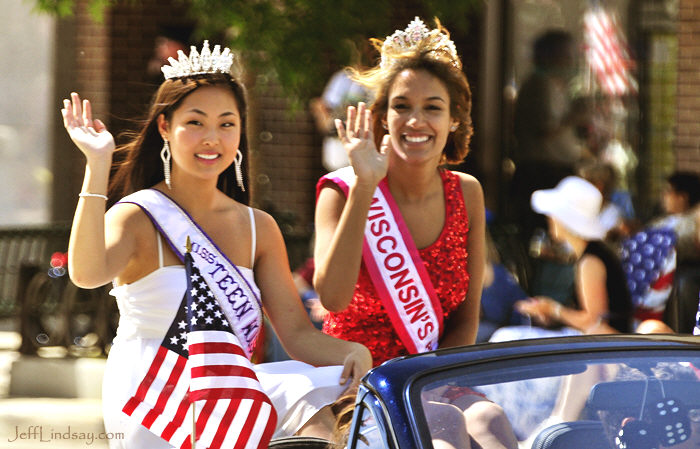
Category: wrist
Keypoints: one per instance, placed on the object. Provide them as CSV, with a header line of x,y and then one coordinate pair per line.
x,y
364,186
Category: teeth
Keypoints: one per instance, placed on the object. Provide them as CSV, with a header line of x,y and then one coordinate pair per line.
x,y
417,139
208,156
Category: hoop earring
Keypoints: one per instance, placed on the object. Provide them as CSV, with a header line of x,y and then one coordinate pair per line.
x,y
239,172
165,157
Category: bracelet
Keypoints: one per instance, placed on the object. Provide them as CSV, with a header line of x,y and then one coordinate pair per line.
x,y
92,195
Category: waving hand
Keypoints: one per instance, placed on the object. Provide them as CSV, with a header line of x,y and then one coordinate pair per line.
x,y
90,136
370,164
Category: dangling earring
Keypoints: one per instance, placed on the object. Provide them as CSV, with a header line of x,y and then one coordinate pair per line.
x,y
165,157
239,172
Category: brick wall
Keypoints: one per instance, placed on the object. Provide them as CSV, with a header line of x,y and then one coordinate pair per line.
x,y
82,56
287,157
687,145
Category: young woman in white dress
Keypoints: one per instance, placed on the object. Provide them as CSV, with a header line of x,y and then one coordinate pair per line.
x,y
200,118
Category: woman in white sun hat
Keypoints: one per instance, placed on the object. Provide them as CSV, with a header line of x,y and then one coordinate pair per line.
x,y
602,300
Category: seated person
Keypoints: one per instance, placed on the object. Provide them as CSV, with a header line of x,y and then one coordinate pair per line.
x,y
667,249
602,299
500,293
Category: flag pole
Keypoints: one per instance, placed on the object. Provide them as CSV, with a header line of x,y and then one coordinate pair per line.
x,y
193,435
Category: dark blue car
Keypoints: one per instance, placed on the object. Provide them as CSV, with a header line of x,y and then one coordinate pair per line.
x,y
585,392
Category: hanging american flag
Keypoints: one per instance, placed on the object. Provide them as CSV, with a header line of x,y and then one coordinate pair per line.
x,y
607,53
201,362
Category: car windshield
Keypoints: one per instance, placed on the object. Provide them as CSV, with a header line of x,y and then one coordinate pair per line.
x,y
648,400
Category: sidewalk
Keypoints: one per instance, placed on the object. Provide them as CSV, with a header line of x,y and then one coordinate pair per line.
x,y
49,402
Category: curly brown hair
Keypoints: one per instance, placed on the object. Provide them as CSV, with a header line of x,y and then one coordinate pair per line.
x,y
437,63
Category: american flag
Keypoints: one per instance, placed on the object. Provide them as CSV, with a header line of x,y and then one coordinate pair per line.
x,y
607,53
649,261
201,362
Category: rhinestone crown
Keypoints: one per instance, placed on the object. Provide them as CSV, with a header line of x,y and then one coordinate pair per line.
x,y
415,34
207,61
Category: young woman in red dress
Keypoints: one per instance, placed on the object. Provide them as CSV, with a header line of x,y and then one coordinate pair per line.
x,y
400,239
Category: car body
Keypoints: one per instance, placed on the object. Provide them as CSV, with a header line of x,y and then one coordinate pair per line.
x,y
614,376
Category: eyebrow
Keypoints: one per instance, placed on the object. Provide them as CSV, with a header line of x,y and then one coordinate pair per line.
x,y
224,114
402,97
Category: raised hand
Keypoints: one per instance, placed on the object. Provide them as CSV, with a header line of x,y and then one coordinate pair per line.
x,y
370,164
90,136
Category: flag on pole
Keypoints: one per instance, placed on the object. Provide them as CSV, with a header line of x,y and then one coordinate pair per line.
x,y
201,368
607,53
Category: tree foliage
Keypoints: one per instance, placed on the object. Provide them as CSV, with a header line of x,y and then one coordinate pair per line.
x,y
301,41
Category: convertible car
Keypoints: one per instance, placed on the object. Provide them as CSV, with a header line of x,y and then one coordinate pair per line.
x,y
583,392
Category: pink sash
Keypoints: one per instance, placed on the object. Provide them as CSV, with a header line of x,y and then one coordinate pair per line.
x,y
396,268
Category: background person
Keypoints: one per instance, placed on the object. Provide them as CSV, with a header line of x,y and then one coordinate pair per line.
x,y
547,146
602,297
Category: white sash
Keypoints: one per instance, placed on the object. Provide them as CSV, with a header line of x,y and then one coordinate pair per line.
x,y
237,299
396,268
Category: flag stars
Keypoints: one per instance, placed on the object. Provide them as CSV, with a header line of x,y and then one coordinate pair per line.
x,y
194,277
193,291
173,340
182,324
194,320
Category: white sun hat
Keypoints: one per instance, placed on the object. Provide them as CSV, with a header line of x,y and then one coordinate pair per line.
x,y
575,203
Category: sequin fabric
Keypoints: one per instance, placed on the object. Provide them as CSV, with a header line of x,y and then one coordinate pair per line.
x,y
366,320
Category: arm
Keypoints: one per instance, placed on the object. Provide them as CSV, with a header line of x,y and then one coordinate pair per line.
x,y
340,223
592,293
464,322
299,337
340,227
92,261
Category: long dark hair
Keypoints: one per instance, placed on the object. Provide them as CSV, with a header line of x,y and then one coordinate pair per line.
x,y
138,163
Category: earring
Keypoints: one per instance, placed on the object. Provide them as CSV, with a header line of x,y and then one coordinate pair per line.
x,y
165,157
239,172
453,128
385,126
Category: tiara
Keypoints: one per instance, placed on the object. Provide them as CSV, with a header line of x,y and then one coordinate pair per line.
x,y
415,35
208,61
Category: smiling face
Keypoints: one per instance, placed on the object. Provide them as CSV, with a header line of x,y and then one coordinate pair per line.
x,y
204,133
418,116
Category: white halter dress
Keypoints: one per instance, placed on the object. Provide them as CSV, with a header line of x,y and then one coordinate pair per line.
x,y
147,307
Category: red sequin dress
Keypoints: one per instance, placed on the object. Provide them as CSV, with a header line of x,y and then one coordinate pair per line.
x,y
366,320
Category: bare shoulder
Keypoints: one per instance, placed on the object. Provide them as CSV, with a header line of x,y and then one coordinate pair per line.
x,y
471,187
128,217
266,228
264,221
472,192
591,264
